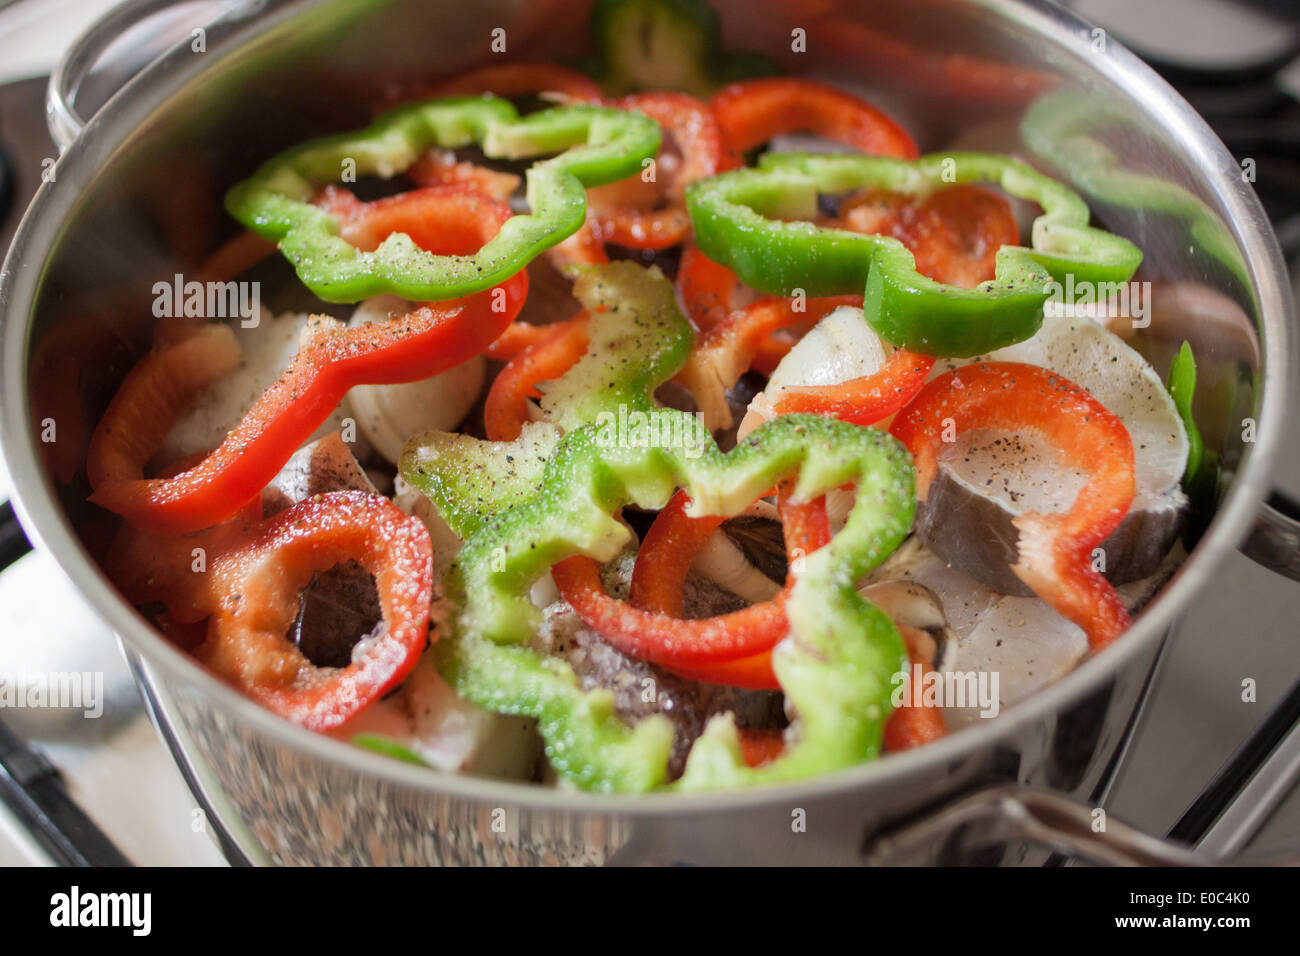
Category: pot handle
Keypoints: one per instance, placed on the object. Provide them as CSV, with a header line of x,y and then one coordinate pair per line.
x,y
1009,814
1013,814
1274,540
61,116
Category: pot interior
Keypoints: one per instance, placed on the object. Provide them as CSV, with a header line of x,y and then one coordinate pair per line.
x,y
138,199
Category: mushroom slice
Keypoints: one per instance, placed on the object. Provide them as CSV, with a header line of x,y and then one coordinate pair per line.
x,y
842,346
266,349
746,555
913,605
964,600
390,414
985,479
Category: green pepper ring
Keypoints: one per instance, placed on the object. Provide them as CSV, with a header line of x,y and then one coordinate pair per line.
x,y
524,505
737,219
275,202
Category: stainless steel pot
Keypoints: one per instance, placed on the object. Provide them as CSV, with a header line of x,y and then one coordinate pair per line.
x,y
135,197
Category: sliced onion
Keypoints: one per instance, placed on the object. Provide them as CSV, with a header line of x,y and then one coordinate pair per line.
x,y
388,415
267,348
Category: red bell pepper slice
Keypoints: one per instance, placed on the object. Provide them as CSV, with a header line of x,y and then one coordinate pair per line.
x,y
439,167
582,248
517,337
256,589
707,290
627,213
235,256
558,349
436,337
914,723
499,79
758,747
751,112
710,293
249,593
685,646
866,400
730,648
185,360
934,68
954,234
657,581
1055,550
726,351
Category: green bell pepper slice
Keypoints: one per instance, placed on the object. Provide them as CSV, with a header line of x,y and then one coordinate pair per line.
x,y
666,45
1201,476
596,145
739,221
525,505
1182,387
1062,127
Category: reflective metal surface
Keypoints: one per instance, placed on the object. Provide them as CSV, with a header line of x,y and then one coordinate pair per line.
x,y
137,197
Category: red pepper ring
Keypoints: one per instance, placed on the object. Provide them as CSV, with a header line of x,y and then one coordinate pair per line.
x,y
954,234
185,360
253,589
730,648
658,577
448,219
685,646
558,349
751,112
248,593
707,289
711,293
517,337
667,550
806,529
439,167
1055,550
866,400
408,348
621,212
727,350
914,723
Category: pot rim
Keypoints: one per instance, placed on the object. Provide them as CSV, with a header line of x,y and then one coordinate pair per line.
x,y
34,499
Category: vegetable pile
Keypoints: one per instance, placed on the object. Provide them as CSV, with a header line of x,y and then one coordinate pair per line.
x,y
651,455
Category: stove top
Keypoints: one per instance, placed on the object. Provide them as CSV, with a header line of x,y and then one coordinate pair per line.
x,y
1194,721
